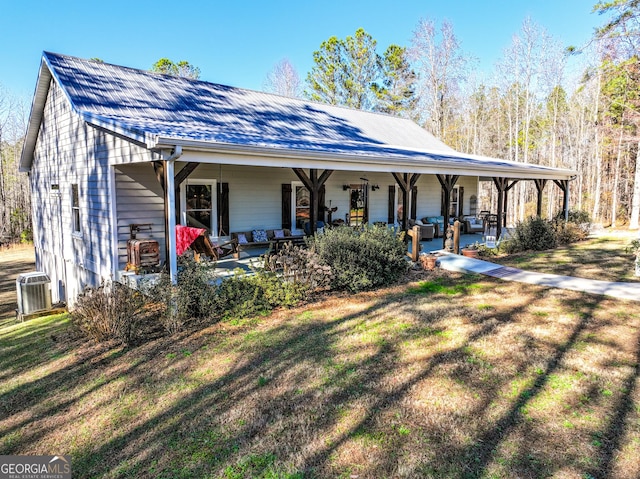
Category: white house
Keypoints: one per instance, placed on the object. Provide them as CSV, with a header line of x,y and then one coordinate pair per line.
x,y
109,147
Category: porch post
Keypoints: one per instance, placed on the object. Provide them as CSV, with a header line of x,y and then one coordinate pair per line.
x,y
413,190
506,190
406,183
447,182
540,184
313,183
501,184
170,219
405,203
313,197
564,186
566,201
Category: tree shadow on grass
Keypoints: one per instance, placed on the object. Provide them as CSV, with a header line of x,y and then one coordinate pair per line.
x,y
319,394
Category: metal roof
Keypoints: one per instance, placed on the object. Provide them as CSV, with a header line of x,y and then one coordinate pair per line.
x,y
160,111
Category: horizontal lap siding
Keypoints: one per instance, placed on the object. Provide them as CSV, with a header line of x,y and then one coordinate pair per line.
x,y
139,201
255,193
67,152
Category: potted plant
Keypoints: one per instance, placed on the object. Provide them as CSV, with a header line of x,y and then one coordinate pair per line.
x,y
471,250
428,261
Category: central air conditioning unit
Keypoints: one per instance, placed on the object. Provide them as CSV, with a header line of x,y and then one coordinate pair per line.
x,y
34,293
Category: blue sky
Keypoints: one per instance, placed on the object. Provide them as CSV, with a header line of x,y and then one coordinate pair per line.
x,y
238,42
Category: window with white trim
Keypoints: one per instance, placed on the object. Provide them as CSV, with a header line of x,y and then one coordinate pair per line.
x,y
75,208
198,205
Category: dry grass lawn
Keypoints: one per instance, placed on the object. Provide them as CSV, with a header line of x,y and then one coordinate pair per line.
x,y
449,376
13,261
600,257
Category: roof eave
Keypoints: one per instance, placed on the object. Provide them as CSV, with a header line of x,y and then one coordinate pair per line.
x,y
35,116
403,164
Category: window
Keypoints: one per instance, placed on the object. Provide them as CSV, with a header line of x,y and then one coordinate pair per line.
x,y
75,208
198,205
455,199
358,204
303,201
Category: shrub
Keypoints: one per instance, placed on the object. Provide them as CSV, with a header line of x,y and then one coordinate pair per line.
x,y
633,247
300,266
244,295
576,228
287,278
361,259
486,252
192,298
238,296
567,232
534,234
109,312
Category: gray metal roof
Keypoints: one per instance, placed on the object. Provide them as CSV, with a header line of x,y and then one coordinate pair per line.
x,y
158,111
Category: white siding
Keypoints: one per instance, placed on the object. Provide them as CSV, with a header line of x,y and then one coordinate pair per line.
x,y
255,199
67,152
139,200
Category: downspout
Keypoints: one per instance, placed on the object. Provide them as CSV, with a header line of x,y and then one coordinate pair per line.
x,y
169,212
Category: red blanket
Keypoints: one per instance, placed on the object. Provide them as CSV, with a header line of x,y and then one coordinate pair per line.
x,y
185,235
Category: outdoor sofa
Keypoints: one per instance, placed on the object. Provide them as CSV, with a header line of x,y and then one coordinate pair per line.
x,y
259,237
472,224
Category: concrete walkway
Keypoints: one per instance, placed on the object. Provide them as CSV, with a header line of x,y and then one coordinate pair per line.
x,y
462,264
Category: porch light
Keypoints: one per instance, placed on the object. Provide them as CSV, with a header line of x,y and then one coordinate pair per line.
x,y
346,187
375,187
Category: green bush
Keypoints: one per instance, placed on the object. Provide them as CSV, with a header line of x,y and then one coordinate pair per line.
x,y
237,296
361,259
633,247
534,233
110,312
486,252
287,278
244,295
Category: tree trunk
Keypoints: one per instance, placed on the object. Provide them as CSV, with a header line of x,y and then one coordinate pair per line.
x,y
616,181
635,202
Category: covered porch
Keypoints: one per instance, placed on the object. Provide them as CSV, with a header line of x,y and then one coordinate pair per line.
x,y
230,197
250,258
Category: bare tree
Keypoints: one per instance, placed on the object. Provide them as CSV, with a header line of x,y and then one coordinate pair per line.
x,y
441,67
622,34
15,206
283,80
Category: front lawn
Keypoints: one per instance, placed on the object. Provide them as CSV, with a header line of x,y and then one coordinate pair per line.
x,y
454,376
602,257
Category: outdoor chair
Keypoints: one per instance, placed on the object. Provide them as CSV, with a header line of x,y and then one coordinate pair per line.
x,y
197,240
203,245
427,231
